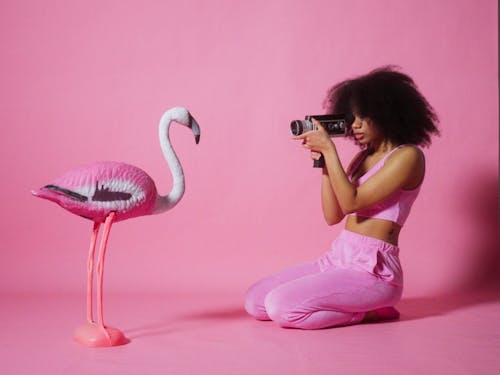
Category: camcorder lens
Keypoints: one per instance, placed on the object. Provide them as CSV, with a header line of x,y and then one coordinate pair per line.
x,y
296,127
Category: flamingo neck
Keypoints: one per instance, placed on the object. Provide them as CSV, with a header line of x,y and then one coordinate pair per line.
x,y
164,203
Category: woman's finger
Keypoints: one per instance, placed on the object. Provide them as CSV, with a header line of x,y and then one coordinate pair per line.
x,y
317,124
302,136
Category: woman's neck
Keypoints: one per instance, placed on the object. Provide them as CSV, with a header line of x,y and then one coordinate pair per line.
x,y
382,146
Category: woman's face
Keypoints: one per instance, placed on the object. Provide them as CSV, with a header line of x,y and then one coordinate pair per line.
x,y
364,131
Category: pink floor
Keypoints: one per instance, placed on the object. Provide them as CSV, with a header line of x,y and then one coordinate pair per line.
x,y
209,333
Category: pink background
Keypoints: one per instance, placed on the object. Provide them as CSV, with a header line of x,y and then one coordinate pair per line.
x,y
88,80
82,81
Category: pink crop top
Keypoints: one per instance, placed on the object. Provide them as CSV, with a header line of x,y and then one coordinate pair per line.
x,y
396,207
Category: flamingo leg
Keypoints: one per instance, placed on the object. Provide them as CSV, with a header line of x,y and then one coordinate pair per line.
x,y
97,334
90,272
100,268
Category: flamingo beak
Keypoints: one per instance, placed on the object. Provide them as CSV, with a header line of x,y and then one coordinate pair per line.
x,y
196,129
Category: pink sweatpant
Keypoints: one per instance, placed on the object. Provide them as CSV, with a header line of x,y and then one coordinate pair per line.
x,y
359,274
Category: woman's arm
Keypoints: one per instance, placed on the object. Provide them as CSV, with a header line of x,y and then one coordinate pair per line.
x,y
398,172
331,209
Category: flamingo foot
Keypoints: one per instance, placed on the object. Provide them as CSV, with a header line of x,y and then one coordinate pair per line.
x,y
93,335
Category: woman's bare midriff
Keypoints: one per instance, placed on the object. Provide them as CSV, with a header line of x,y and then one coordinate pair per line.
x,y
384,230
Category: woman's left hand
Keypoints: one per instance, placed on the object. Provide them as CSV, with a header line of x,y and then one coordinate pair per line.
x,y
316,140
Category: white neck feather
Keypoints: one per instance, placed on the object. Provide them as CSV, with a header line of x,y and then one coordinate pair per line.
x,y
164,203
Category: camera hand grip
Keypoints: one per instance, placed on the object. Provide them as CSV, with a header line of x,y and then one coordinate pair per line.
x,y
320,163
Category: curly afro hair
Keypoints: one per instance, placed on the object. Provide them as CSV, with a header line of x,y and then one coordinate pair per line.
x,y
391,100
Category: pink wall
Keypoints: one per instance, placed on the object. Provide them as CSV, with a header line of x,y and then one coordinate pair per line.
x,y
89,81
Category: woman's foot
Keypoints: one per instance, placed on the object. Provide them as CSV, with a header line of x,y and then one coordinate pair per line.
x,y
384,313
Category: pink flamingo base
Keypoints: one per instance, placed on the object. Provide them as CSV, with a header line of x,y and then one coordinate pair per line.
x,y
108,192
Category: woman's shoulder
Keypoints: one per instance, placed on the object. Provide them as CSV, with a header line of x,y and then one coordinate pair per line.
x,y
407,153
409,161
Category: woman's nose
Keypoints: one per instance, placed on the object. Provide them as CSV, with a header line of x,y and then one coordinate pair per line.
x,y
356,124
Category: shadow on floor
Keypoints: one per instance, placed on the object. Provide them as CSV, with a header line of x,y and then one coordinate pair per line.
x,y
410,309
219,314
188,319
423,307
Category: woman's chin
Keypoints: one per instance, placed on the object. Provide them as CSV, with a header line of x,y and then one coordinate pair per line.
x,y
362,141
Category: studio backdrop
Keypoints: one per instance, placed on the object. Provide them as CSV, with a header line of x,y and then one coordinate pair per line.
x,y
84,81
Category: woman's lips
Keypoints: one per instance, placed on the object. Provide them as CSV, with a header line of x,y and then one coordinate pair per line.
x,y
358,136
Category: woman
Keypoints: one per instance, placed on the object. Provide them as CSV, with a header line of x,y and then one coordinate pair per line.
x,y
361,277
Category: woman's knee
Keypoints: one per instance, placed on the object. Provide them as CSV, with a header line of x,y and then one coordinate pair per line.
x,y
278,310
254,302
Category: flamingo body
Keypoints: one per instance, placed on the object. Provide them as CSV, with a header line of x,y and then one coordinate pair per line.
x,y
95,190
107,192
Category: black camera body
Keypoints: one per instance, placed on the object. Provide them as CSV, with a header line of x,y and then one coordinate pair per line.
x,y
336,125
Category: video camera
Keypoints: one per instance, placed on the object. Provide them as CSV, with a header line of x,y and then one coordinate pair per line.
x,y
336,125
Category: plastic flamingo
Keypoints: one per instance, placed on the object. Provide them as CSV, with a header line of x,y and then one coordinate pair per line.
x,y
108,192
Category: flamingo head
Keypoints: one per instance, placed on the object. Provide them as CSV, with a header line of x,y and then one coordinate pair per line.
x,y
182,116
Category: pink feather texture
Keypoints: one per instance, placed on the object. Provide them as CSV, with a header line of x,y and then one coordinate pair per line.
x,y
95,190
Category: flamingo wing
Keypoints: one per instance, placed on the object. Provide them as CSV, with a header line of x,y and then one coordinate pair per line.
x,y
94,191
